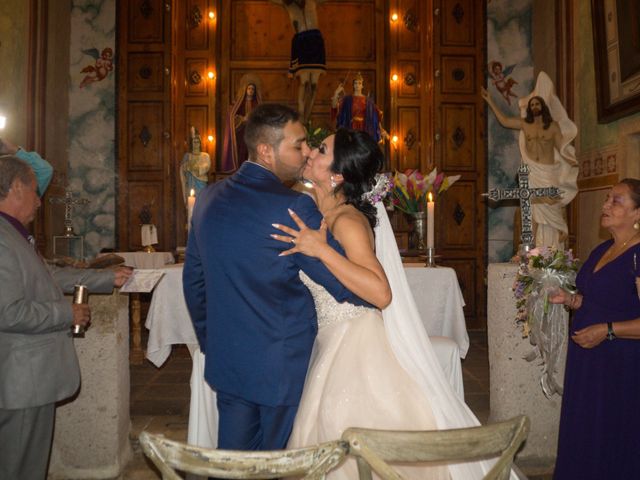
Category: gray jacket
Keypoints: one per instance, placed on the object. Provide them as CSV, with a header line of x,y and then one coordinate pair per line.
x,y
38,362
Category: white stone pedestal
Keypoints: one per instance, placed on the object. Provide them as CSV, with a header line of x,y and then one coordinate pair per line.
x,y
514,382
91,438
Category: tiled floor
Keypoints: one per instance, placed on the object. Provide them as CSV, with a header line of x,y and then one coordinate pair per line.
x,y
160,399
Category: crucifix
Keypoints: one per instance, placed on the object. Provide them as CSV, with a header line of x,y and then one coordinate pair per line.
x,y
524,194
68,201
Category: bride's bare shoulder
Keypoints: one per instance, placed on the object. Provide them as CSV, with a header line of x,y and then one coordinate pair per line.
x,y
350,223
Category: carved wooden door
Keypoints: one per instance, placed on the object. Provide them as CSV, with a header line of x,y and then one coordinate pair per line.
x,y
167,84
144,122
459,146
436,60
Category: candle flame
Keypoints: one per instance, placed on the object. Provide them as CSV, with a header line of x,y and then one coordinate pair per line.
x,y
430,197
192,193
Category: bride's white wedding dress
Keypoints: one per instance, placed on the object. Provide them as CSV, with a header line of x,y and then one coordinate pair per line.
x,y
354,379
378,370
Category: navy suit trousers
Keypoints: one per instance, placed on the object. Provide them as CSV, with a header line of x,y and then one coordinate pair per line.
x,y
248,426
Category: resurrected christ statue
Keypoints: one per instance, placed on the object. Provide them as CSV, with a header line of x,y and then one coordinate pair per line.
x,y
546,133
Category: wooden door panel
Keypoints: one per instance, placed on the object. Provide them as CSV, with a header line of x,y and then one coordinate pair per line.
x,y
408,26
339,18
458,23
459,144
409,135
458,52
146,21
145,72
197,25
145,129
197,83
252,31
456,214
408,80
458,75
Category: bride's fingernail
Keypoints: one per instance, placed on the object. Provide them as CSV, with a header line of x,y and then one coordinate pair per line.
x,y
275,225
290,211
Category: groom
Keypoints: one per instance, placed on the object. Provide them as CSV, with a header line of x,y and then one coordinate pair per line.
x,y
254,318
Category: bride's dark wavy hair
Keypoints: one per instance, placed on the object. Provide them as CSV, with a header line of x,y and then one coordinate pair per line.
x,y
357,157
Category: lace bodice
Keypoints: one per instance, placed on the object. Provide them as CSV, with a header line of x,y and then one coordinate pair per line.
x,y
328,309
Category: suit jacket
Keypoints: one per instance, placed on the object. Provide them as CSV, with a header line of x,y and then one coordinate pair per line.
x,y
38,363
254,318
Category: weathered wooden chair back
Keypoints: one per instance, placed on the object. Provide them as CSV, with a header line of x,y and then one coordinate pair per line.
x,y
309,463
374,448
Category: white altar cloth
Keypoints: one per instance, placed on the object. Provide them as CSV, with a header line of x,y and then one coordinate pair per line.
x,y
168,319
439,301
435,290
169,324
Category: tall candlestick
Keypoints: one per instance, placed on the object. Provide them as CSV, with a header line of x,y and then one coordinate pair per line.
x,y
191,201
430,217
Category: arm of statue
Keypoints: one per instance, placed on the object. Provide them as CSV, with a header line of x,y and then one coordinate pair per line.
x,y
507,122
337,94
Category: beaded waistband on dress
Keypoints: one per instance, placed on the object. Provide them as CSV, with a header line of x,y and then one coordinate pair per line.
x,y
328,309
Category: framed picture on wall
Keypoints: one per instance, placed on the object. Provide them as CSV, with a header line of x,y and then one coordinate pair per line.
x,y
616,43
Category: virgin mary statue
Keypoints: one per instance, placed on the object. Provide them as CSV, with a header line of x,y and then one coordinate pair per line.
x,y
234,150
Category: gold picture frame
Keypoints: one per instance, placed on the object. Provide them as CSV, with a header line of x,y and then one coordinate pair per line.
x,y
616,42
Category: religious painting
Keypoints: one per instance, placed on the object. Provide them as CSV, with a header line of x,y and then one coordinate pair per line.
x,y
616,36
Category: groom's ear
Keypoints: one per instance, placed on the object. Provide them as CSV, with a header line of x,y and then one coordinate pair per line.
x,y
265,153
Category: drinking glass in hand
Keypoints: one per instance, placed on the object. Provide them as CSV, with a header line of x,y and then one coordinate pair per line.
x,y
80,296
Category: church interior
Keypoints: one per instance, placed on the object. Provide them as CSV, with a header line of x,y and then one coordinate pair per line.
x,y
113,92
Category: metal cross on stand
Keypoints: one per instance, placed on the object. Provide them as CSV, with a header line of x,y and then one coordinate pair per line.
x,y
68,201
524,193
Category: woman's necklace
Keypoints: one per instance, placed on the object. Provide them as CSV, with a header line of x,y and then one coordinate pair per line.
x,y
609,252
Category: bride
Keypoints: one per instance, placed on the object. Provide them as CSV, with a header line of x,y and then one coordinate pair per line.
x,y
369,368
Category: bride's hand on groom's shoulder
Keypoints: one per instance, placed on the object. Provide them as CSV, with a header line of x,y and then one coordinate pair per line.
x,y
306,240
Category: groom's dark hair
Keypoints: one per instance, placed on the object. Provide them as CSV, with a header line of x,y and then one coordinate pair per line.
x,y
265,125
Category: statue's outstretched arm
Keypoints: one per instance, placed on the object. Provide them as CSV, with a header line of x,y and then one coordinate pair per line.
x,y
507,122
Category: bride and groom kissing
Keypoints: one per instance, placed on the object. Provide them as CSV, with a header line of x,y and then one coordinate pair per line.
x,y
282,288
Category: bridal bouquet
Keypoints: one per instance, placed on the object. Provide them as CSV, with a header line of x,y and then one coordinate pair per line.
x,y
545,324
410,189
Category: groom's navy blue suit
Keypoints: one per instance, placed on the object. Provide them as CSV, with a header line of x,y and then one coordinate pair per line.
x,y
254,319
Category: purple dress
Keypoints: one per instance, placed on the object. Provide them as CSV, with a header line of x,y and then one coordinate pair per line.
x,y
600,420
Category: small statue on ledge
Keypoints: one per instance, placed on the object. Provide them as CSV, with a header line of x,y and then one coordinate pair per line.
x,y
194,167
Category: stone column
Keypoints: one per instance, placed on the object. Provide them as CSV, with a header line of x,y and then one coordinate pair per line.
x,y
91,438
514,382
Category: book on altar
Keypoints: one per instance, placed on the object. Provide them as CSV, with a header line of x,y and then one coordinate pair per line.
x,y
142,281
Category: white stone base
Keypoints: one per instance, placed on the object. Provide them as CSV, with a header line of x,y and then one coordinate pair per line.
x,y
514,382
91,437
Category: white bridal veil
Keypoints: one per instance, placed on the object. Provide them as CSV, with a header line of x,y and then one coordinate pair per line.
x,y
412,347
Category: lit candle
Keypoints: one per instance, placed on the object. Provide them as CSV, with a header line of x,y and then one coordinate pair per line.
x,y
430,216
191,201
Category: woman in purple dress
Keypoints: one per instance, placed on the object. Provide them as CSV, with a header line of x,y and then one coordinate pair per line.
x,y
600,420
